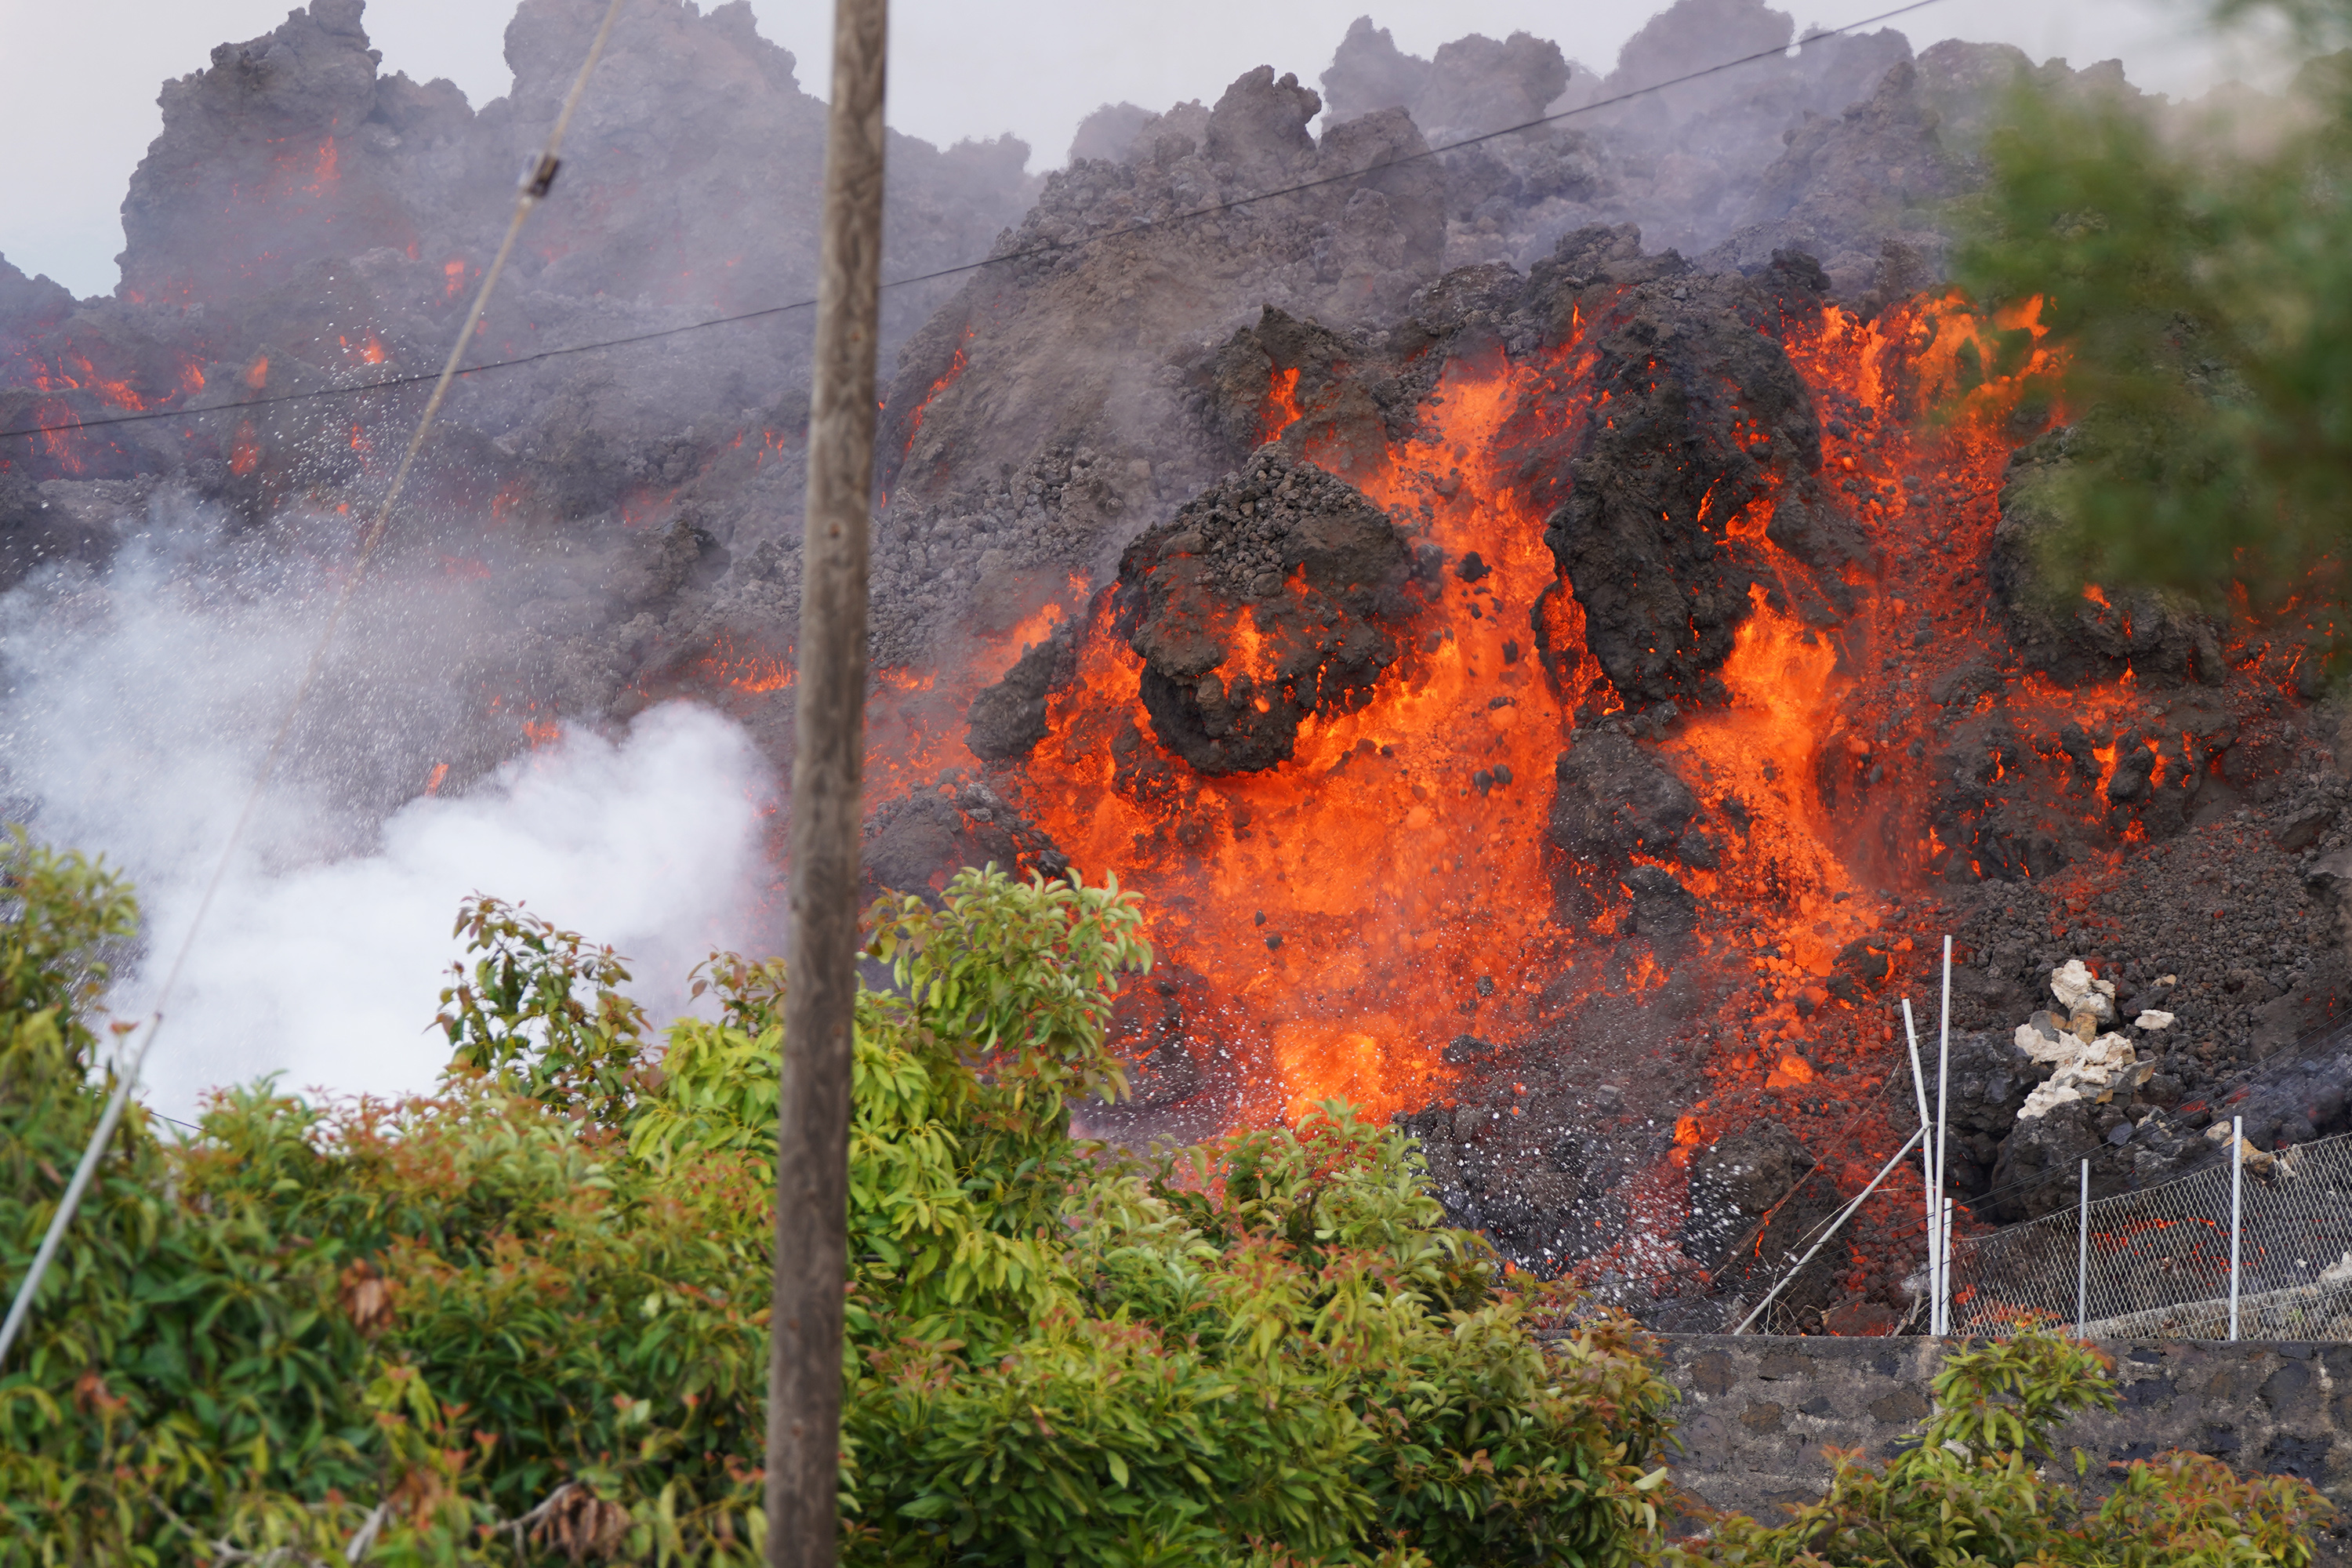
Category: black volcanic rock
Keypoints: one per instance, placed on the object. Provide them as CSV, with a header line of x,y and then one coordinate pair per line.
x,y
1615,797
1736,1180
1008,717
1269,597
1342,418
916,843
1474,84
1260,123
1368,71
1702,409
1109,131
1662,907
1848,185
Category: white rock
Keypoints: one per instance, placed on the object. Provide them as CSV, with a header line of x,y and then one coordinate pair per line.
x,y
2340,1269
2046,1098
2070,982
2155,1019
2084,1070
2044,1047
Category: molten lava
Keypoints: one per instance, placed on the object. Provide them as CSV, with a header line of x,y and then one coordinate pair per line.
x,y
1281,406
751,672
1344,915
1385,890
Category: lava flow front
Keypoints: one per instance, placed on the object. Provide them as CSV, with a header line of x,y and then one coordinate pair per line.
x,y
1337,919
1405,901
1570,767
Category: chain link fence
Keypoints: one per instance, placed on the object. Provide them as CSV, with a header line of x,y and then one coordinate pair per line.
x,y
2159,1259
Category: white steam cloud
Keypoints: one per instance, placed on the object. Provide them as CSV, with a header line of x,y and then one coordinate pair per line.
x,y
140,702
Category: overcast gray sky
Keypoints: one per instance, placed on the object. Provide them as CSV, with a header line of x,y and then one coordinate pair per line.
x,y
83,74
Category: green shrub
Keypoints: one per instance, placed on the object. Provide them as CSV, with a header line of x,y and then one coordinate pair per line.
x,y
524,1319
1976,1489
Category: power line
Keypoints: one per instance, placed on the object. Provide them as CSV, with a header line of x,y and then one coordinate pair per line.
x,y
1053,247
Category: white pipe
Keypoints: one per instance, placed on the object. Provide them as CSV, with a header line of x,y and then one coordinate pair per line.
x,y
2083,1256
1943,1141
2237,1189
1843,1215
1943,1250
1927,1164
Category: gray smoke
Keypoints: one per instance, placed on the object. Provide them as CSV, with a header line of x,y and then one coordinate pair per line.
x,y
142,698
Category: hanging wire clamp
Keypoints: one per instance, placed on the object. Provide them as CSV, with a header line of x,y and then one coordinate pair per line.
x,y
539,177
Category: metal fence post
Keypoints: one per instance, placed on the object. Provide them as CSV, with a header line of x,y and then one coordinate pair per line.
x,y
1846,1214
1943,1315
2176,1257
2083,1256
2237,1209
1927,1164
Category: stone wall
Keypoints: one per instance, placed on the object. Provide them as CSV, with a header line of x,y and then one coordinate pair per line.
x,y
1757,1411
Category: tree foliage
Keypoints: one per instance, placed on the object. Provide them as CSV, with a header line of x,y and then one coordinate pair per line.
x,y
524,1319
2196,265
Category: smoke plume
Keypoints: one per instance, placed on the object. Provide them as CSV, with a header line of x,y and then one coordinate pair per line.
x,y
144,699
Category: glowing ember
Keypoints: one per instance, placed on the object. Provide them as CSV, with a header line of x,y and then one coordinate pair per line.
x,y
750,672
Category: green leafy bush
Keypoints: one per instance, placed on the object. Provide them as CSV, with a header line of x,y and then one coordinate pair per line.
x,y
2195,263
524,1317
1976,1489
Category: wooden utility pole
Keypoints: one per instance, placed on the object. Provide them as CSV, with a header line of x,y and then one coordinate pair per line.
x,y
828,762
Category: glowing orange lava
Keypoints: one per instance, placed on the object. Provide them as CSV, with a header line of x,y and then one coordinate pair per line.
x,y
1401,902
1352,909
1332,923
1281,406
751,672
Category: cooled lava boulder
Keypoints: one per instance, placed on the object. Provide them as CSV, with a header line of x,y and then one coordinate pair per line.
x,y
1272,596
